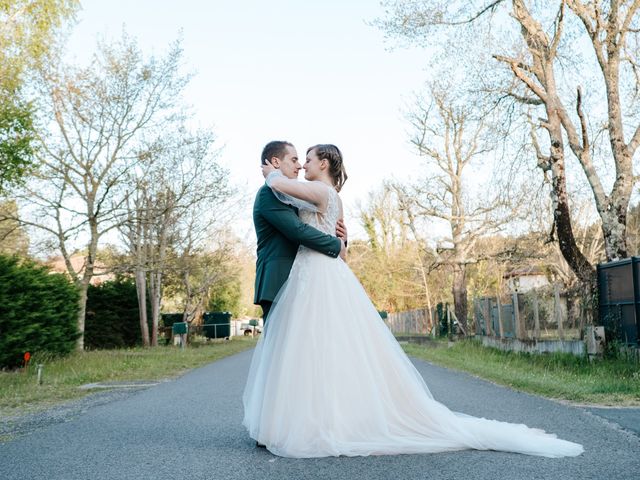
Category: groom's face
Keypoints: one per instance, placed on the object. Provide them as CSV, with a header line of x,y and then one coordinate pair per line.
x,y
289,165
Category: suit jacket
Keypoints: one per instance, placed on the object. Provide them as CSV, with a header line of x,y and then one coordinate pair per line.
x,y
280,232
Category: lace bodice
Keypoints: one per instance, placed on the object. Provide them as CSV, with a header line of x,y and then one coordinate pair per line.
x,y
325,222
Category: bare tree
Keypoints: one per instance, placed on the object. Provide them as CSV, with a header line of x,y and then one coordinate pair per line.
x,y
549,44
93,121
382,219
200,270
607,27
179,195
389,264
13,238
454,141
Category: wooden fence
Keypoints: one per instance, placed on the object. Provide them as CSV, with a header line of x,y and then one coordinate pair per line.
x,y
544,320
439,321
548,314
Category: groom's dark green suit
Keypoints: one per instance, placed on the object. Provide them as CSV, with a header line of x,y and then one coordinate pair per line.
x,y
280,232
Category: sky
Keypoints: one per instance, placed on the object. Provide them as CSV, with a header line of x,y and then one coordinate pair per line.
x,y
304,71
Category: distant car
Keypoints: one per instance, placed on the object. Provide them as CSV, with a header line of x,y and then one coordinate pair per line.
x,y
249,329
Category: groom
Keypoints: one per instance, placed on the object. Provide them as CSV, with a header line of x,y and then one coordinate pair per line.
x,y
280,231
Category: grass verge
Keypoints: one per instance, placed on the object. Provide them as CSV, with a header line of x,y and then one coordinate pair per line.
x,y
19,392
559,376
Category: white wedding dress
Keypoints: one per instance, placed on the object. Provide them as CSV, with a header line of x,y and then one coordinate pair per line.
x,y
328,378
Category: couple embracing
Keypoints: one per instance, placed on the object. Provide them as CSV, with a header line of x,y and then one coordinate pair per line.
x,y
327,376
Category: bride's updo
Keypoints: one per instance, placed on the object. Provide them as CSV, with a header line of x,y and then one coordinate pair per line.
x,y
332,154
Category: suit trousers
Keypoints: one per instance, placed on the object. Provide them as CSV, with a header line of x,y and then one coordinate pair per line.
x,y
266,307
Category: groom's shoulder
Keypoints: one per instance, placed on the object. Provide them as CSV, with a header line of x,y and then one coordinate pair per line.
x,y
264,194
266,200
264,197
263,189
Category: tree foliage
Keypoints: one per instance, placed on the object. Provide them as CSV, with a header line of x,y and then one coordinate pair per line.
x,y
225,296
390,266
38,311
16,140
403,271
28,30
206,278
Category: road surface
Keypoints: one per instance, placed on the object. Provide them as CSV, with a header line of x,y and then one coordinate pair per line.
x,y
189,428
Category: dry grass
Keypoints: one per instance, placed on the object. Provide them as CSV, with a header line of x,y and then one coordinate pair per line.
x,y
20,392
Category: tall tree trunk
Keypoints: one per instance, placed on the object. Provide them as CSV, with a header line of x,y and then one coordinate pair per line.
x,y
614,230
156,298
83,287
543,53
459,290
87,275
560,199
141,289
427,294
614,222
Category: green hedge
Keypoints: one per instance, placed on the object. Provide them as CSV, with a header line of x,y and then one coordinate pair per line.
x,y
113,318
38,311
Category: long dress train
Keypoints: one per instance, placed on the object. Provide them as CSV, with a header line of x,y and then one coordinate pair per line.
x,y
328,378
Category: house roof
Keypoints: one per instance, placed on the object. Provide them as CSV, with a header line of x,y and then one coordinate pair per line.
x,y
101,273
529,271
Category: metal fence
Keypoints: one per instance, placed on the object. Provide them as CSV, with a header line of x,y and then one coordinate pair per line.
x,y
619,299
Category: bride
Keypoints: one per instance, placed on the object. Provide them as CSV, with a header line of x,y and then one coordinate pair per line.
x,y
328,378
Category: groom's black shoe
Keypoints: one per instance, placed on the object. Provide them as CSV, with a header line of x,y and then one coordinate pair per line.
x,y
260,445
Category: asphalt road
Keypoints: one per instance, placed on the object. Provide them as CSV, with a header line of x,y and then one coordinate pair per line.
x,y
190,428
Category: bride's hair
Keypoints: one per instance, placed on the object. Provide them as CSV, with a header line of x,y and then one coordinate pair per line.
x,y
326,151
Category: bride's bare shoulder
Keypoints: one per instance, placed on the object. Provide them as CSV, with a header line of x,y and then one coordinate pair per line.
x,y
339,201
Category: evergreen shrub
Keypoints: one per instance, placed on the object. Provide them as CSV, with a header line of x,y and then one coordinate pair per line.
x,y
38,311
113,317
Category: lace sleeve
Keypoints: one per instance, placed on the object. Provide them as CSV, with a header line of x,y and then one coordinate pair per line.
x,y
286,198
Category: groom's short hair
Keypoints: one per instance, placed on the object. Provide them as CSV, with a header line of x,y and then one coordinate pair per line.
x,y
277,148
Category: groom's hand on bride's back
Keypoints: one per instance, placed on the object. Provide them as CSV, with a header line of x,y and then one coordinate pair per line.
x,y
341,231
343,250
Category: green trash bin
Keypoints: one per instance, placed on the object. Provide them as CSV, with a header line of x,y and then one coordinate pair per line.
x,y
217,324
180,328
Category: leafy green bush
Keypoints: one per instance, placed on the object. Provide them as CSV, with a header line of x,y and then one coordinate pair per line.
x,y
16,139
38,311
225,296
113,317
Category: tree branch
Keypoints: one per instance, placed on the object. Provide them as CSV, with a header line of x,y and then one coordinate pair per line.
x,y
528,81
583,121
492,6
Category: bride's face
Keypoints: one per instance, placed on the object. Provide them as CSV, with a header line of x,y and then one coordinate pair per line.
x,y
313,166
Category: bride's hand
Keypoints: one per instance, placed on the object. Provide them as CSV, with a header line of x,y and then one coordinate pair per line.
x,y
267,168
